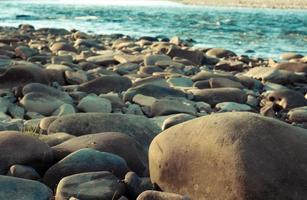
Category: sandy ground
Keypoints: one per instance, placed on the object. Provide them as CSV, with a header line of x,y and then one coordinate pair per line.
x,y
297,4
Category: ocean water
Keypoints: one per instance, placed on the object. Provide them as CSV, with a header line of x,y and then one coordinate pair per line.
x,y
268,32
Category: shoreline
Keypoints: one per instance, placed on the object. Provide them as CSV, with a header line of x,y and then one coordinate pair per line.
x,y
105,101
271,4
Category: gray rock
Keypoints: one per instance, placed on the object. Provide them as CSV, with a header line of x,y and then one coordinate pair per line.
x,y
4,104
232,106
171,106
155,195
34,152
90,186
112,142
19,188
136,185
138,127
176,119
64,109
93,103
180,82
106,84
21,171
153,91
85,160
40,103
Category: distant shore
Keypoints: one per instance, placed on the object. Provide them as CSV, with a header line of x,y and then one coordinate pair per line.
x,y
278,4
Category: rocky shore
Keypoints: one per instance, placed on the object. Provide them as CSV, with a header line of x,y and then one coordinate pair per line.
x,y
113,117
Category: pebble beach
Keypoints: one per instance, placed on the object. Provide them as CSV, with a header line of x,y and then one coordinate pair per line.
x,y
90,116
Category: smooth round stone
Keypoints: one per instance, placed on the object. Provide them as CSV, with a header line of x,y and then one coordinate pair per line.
x,y
4,104
171,106
136,185
85,160
62,46
143,100
138,127
153,91
58,67
19,188
25,52
64,109
218,145
133,109
152,59
47,90
126,68
274,75
219,95
156,195
90,186
21,171
206,75
106,84
220,53
150,69
40,103
116,101
176,119
76,77
292,66
60,59
286,99
298,115
232,106
224,82
112,142
289,56
35,153
46,121
16,111
55,139
196,57
93,103
21,74
104,60
128,58
180,82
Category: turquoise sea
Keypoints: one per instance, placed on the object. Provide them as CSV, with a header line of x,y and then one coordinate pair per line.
x,y
268,32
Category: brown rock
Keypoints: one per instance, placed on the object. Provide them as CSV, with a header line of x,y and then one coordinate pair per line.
x,y
112,142
219,95
155,195
90,186
62,46
220,53
17,148
292,66
287,99
225,156
106,84
196,57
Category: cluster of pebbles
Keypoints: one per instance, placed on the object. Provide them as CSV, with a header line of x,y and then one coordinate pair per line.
x,y
113,117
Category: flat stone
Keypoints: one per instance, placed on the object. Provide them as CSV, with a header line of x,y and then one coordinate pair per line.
x,y
138,127
90,186
85,160
112,142
93,103
19,188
